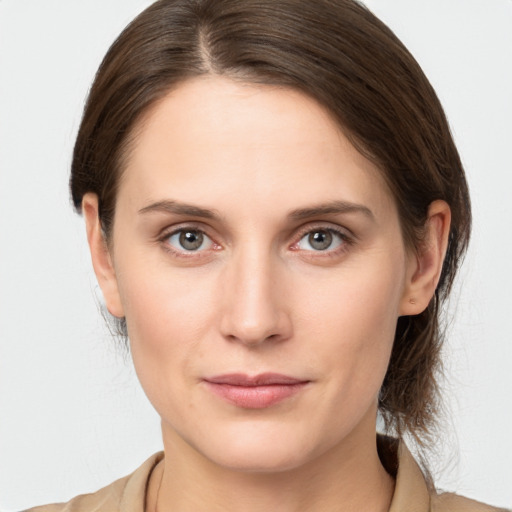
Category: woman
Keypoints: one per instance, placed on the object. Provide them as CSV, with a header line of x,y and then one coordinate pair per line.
x,y
275,210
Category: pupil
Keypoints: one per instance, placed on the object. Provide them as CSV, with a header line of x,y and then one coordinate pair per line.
x,y
191,240
320,240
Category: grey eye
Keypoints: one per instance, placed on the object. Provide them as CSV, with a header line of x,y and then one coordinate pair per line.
x,y
189,240
321,240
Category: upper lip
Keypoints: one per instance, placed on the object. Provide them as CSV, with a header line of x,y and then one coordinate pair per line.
x,y
262,379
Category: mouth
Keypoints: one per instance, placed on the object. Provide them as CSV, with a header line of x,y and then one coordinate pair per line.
x,y
257,391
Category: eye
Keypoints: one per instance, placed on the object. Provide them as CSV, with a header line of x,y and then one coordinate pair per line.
x,y
189,240
321,240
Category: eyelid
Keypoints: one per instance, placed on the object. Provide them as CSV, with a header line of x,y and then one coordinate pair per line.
x,y
347,236
181,226
324,226
169,231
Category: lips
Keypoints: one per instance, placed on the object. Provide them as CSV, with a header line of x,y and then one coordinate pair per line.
x,y
255,392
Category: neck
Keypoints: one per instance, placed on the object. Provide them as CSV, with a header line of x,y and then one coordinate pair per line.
x,y
350,477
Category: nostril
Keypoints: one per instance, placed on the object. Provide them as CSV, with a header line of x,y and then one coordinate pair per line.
x,y
255,337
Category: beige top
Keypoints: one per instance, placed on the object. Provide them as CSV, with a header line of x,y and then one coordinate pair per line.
x,y
411,491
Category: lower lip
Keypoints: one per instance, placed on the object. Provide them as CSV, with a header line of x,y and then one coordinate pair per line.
x,y
255,397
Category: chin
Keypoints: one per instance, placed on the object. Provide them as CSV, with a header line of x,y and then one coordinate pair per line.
x,y
259,450
259,459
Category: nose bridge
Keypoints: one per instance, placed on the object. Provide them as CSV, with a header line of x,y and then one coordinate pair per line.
x,y
253,305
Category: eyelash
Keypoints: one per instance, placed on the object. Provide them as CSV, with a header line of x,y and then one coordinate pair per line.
x,y
164,241
346,241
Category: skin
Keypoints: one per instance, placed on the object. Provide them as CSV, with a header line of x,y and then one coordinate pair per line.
x,y
257,296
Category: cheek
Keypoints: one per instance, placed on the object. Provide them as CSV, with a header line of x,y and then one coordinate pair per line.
x,y
167,316
352,315
161,299
359,296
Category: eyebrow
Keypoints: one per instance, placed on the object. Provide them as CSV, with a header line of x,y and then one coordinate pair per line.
x,y
169,206
330,208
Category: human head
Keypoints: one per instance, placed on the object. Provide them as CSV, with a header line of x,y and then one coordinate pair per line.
x,y
336,52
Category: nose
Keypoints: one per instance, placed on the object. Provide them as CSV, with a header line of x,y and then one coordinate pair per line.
x,y
254,305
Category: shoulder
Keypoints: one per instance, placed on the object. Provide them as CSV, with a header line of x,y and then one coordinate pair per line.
x,y
107,498
449,502
415,493
124,495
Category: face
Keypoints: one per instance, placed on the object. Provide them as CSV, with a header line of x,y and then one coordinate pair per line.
x,y
259,262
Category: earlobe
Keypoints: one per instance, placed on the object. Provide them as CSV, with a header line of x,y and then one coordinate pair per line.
x,y
100,255
425,265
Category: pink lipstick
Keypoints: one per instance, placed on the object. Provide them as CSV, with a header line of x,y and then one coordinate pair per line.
x,y
255,392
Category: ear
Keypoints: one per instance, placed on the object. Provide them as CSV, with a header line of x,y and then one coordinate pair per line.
x,y
426,263
100,255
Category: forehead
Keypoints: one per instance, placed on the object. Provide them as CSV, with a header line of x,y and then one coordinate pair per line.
x,y
213,139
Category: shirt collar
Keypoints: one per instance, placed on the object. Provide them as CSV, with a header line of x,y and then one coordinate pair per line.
x,y
134,494
411,489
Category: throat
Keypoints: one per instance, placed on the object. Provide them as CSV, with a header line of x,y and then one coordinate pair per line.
x,y
358,488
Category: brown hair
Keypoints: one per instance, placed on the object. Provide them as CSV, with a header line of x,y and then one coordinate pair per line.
x,y
337,52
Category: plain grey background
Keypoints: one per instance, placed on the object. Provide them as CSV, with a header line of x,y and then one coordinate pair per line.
x,y
72,415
